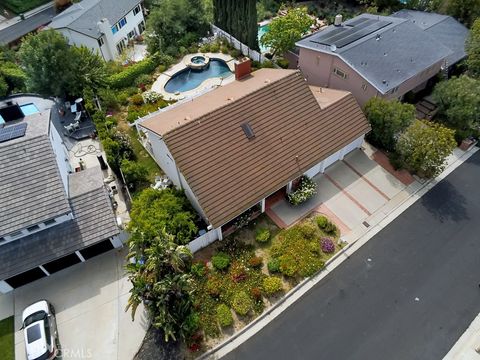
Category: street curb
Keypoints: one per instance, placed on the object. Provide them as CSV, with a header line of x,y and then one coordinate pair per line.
x,y
318,276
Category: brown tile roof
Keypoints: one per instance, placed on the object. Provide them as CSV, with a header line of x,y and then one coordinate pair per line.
x,y
229,173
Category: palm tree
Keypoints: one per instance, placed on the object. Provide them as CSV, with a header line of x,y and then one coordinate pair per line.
x,y
158,272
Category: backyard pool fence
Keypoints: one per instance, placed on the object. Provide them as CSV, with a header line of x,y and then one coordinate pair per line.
x,y
244,49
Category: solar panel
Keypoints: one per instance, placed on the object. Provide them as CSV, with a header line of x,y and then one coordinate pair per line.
x,y
357,21
12,132
341,37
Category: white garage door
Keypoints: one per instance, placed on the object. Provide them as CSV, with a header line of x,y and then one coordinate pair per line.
x,y
331,159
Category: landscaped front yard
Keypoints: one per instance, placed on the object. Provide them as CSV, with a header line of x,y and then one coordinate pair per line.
x,y
7,339
236,279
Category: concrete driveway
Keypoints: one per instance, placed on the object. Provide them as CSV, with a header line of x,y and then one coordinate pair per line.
x,y
89,299
349,192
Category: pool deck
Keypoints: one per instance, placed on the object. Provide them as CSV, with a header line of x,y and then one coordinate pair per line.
x,y
209,84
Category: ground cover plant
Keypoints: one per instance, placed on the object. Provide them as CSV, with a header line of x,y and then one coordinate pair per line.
x,y
7,339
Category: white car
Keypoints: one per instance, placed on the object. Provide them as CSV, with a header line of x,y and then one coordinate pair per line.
x,y
40,331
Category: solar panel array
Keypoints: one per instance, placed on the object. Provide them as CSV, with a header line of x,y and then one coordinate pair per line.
x,y
12,132
354,31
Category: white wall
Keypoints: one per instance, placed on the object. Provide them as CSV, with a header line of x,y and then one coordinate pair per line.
x,y
203,241
132,24
165,160
61,156
78,39
322,165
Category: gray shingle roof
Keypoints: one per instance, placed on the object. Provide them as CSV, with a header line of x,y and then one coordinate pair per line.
x,y
94,222
84,16
443,28
31,190
386,57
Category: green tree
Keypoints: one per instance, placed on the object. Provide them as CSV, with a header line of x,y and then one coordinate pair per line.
x,y
239,19
284,31
12,77
46,59
160,279
88,70
473,49
388,119
175,23
153,210
458,101
466,11
424,147
136,174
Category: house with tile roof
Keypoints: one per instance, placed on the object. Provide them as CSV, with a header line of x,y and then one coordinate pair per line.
x,y
104,26
50,216
383,56
232,148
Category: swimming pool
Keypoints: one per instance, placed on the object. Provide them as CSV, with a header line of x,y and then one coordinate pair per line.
x,y
262,30
29,109
189,79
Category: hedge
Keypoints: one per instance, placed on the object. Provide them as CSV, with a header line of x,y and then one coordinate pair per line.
x,y
128,76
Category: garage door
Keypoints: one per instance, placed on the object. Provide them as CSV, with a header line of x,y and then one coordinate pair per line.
x,y
96,249
331,159
25,277
62,263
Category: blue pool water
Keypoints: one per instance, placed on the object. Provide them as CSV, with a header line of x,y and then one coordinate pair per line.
x,y
29,109
189,79
261,31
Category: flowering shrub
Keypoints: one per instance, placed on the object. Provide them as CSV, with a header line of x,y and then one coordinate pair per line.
x,y
327,245
242,304
306,189
263,235
272,284
224,315
151,97
256,294
327,226
274,265
255,262
198,270
220,261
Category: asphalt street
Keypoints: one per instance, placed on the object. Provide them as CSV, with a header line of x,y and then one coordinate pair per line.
x,y
409,293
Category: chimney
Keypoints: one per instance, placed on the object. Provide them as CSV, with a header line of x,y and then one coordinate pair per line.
x,y
243,68
338,20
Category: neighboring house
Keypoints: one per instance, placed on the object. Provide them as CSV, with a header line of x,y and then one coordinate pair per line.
x,y
385,56
445,29
50,218
233,147
104,26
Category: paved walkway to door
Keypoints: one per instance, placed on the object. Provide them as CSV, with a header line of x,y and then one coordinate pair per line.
x,y
349,192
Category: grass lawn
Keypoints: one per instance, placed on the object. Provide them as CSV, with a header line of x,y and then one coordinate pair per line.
x,y
7,339
21,6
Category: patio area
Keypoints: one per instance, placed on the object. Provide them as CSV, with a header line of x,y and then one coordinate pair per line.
x,y
349,192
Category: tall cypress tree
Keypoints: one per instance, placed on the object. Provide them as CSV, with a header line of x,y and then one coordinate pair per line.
x,y
238,18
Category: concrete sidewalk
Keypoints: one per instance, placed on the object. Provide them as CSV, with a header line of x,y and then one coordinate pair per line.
x,y
468,346
356,239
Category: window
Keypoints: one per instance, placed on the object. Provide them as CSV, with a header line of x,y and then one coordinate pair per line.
x,y
141,27
339,73
15,234
136,10
364,87
115,29
33,228
394,90
101,42
50,222
131,34
122,22
120,47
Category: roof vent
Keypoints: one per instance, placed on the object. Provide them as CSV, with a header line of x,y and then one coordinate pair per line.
x,y
230,98
267,81
247,129
187,118
333,47
384,81
378,37
384,54
338,20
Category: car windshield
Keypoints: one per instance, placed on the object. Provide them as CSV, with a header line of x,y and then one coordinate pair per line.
x,y
39,315
33,333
